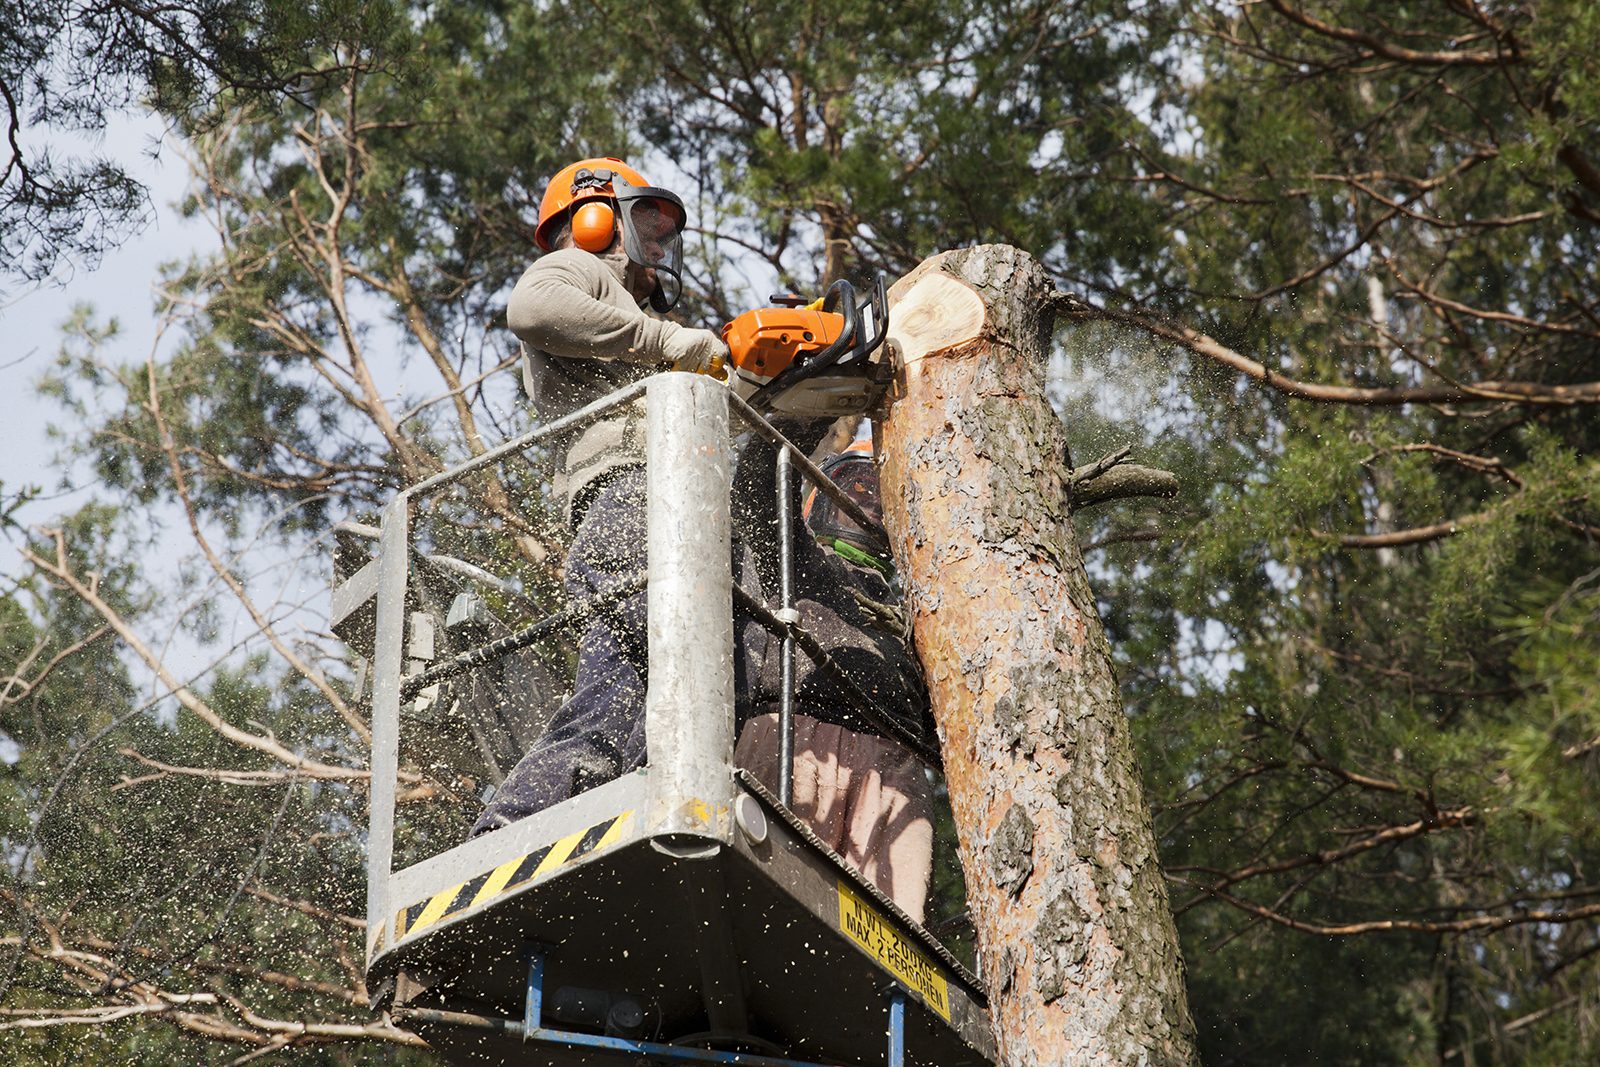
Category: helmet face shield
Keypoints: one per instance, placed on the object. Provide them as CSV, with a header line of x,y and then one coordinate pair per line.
x,y
857,475
652,236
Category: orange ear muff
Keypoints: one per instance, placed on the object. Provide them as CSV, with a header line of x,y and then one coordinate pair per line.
x,y
593,226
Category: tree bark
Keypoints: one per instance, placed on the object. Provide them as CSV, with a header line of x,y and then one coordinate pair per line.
x,y
1079,951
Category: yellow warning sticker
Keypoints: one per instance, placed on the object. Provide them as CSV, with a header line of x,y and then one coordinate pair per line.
x,y
893,949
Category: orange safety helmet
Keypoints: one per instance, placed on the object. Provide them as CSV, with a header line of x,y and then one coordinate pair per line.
x,y
597,194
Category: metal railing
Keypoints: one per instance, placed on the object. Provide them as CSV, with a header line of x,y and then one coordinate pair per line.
x,y
691,597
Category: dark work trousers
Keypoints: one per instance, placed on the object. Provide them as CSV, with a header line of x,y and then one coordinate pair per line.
x,y
598,733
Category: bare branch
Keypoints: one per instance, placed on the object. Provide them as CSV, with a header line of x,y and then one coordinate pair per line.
x,y
1099,466
305,908
87,965
1480,464
1379,46
231,580
62,571
1444,820
23,686
1417,535
1125,537
1191,340
1425,926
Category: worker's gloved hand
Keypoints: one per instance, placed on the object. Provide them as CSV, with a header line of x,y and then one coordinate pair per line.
x,y
700,351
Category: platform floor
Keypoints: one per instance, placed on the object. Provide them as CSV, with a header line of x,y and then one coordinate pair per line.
x,y
776,940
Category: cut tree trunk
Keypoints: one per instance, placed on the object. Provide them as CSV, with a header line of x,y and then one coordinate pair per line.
x,y
1079,951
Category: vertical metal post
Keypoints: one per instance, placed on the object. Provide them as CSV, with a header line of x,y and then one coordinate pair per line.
x,y
897,1027
384,762
689,700
786,613
533,1005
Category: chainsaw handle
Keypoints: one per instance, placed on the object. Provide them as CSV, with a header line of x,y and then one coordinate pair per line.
x,y
877,302
831,297
880,315
843,293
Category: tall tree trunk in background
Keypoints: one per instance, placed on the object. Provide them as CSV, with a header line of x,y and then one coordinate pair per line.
x,y
1079,950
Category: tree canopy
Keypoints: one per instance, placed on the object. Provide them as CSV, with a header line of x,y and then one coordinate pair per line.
x,y
1328,261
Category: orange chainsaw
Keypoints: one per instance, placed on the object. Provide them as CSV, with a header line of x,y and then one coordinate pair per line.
x,y
812,359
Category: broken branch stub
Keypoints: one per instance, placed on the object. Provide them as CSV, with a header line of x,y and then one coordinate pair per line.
x,y
1121,482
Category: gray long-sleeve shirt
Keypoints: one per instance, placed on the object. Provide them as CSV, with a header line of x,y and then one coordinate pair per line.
x,y
585,336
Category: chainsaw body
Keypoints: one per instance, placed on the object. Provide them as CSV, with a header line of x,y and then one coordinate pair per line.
x,y
814,359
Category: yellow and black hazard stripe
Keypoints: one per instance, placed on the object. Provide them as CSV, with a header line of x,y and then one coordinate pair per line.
x,y
508,876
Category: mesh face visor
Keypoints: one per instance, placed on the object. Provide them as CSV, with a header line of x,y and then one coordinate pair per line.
x,y
652,235
858,477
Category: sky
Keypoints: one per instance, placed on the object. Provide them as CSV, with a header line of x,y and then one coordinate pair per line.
x,y
120,286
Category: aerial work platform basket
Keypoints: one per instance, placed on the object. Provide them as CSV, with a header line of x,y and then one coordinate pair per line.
x,y
680,913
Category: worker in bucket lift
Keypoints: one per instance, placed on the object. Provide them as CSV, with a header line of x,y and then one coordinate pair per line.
x,y
614,247
864,794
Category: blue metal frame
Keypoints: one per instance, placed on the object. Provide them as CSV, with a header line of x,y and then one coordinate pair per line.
x,y
655,1050
532,1031
897,1027
533,1006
